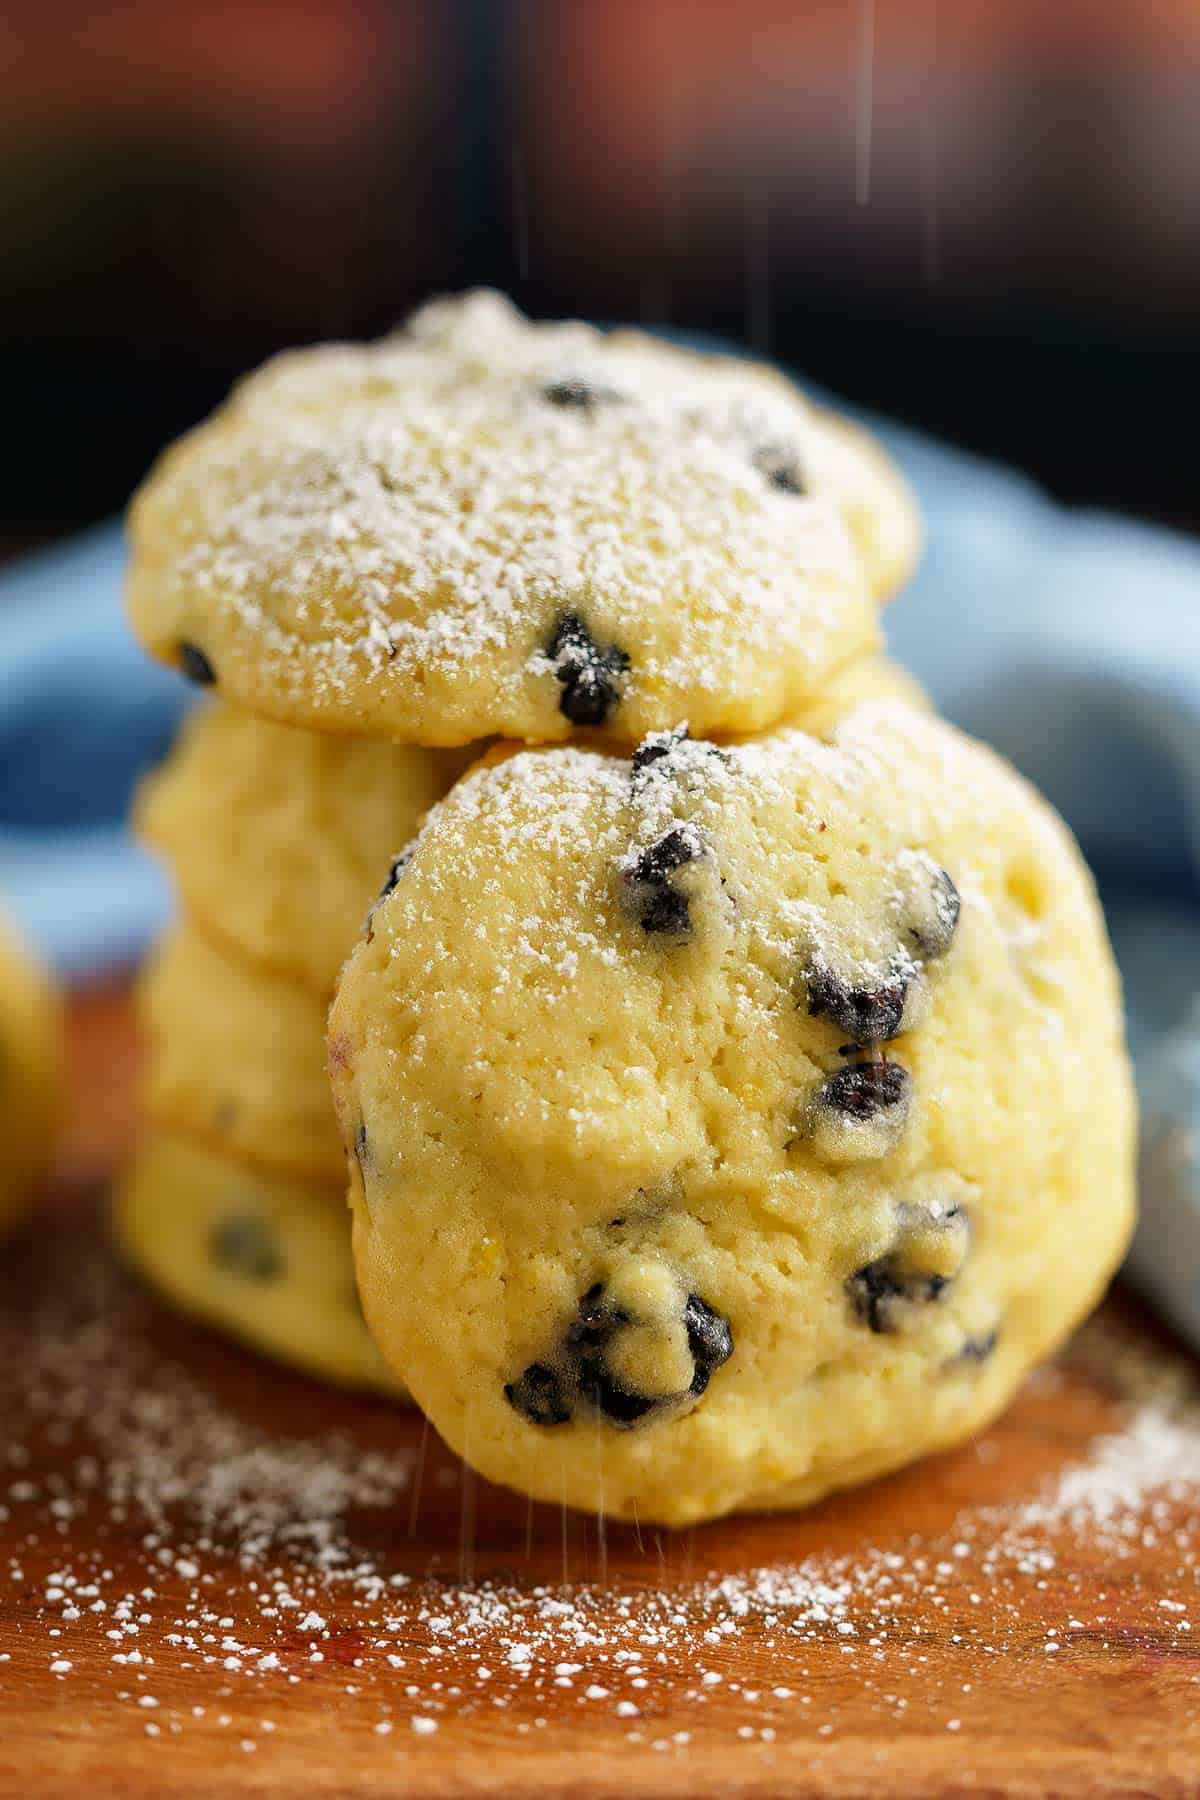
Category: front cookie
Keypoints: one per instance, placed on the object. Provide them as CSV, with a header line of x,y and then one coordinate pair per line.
x,y
481,527
732,1123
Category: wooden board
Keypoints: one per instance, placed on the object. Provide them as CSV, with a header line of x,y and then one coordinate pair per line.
x,y
219,1578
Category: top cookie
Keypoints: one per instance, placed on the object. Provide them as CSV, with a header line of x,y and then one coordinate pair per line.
x,y
480,526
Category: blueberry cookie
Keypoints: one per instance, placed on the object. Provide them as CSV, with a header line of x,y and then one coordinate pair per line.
x,y
265,1261
275,837
236,1060
481,527
730,1123
31,1075
879,512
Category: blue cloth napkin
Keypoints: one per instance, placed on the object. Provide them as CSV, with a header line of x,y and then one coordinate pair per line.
x,y
1070,640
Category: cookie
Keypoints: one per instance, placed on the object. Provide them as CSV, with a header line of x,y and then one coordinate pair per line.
x,y
31,1074
482,527
866,678
279,839
236,1060
265,1261
878,509
732,1123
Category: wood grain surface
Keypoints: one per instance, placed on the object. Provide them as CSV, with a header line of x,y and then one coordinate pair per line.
x,y
217,1578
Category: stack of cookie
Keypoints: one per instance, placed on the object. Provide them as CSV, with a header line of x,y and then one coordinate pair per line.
x,y
730,1071
272,837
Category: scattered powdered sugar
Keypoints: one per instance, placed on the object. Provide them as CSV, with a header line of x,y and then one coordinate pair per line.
x,y
183,1554
1131,1476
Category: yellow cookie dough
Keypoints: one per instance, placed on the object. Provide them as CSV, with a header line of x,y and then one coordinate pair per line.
x,y
236,1060
732,1124
31,1074
879,511
280,839
480,526
867,678
266,1262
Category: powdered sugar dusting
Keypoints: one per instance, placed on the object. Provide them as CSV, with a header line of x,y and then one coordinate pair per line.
x,y
422,509
200,1567
586,810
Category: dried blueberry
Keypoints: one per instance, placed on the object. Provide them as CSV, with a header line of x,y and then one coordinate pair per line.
x,y
574,390
244,1244
657,905
657,744
978,1349
877,1286
598,1388
682,844
195,665
709,1340
874,1290
868,1015
588,1339
932,925
927,1255
544,1393
538,1395
399,864
859,1113
654,752
589,675
782,468
863,1090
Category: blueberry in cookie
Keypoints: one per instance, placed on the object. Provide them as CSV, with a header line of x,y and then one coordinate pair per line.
x,y
589,675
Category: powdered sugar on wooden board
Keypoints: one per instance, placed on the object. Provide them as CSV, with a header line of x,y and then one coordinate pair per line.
x,y
200,1540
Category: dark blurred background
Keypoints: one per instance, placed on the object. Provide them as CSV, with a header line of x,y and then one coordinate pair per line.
x,y
983,217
